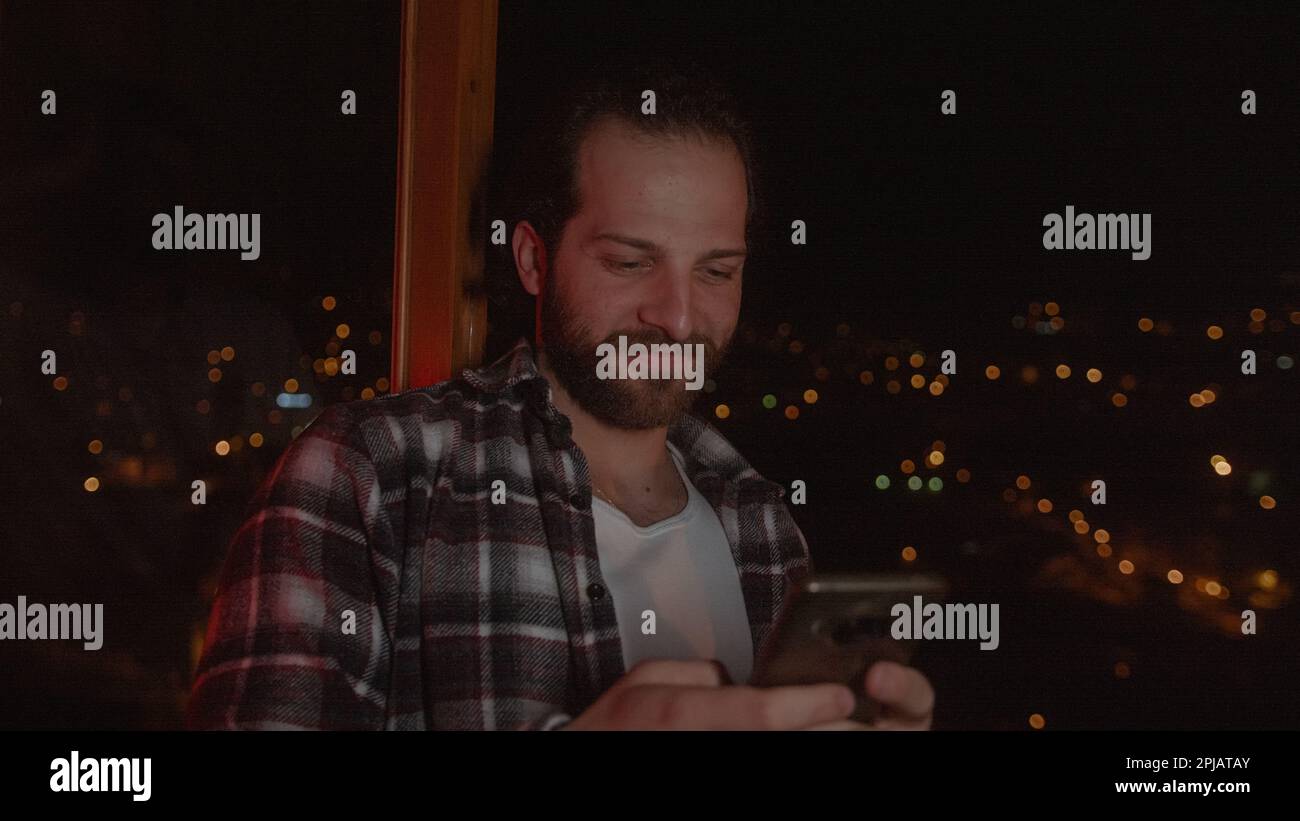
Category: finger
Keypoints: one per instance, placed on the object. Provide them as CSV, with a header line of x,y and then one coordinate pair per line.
x,y
903,690
846,724
746,708
705,673
904,724
796,707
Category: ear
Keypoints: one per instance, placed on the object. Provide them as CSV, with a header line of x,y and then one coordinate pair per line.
x,y
530,265
530,258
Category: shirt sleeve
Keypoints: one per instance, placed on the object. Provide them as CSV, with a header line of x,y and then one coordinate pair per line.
x,y
296,637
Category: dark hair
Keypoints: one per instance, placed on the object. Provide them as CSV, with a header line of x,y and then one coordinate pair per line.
x,y
685,105
541,185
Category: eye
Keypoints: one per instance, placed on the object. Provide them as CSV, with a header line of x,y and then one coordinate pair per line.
x,y
624,267
719,274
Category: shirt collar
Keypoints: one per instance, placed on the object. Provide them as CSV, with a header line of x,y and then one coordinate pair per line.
x,y
515,366
704,449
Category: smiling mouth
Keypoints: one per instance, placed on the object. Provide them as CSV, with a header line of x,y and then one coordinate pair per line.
x,y
666,361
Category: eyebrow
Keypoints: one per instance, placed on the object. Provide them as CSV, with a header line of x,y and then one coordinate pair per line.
x,y
647,245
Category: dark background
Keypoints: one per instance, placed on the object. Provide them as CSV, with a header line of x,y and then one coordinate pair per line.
x,y
924,234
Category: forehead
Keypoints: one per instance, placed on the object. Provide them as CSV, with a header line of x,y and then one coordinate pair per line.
x,y
676,186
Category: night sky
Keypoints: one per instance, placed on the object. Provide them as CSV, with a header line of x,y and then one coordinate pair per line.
x,y
924,235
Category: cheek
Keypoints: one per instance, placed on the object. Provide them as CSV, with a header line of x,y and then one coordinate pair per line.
x,y
615,309
720,309
616,304
581,289
606,311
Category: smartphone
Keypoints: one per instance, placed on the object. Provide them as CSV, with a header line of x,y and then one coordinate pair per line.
x,y
833,627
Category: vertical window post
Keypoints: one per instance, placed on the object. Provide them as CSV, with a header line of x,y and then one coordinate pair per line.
x,y
448,77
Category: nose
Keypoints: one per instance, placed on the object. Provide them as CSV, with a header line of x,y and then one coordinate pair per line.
x,y
667,304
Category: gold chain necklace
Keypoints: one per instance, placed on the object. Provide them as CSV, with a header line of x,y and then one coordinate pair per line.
x,y
603,495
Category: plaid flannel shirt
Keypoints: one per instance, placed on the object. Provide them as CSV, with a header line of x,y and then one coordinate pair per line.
x,y
375,585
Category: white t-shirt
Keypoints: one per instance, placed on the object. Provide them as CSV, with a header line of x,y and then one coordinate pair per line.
x,y
683,570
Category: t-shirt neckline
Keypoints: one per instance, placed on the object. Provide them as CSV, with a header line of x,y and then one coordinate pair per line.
x,y
664,524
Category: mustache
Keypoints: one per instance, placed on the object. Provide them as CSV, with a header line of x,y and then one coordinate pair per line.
x,y
652,337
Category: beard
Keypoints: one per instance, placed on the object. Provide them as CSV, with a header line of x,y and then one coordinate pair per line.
x,y
629,404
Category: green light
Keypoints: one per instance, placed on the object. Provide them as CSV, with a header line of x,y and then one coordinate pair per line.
x,y
882,482
769,401
914,483
1259,482
936,483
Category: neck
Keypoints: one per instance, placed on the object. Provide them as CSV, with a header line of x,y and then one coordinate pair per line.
x,y
620,460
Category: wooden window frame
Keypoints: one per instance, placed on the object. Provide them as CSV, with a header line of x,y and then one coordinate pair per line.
x,y
446,99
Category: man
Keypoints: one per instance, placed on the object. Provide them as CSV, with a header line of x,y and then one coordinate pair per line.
x,y
531,545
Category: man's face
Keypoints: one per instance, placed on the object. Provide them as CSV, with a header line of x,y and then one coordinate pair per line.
x,y
655,254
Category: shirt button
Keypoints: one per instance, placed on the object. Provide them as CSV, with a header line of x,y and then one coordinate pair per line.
x,y
576,499
595,591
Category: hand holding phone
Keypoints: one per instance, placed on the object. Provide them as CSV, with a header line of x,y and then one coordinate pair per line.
x,y
833,628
